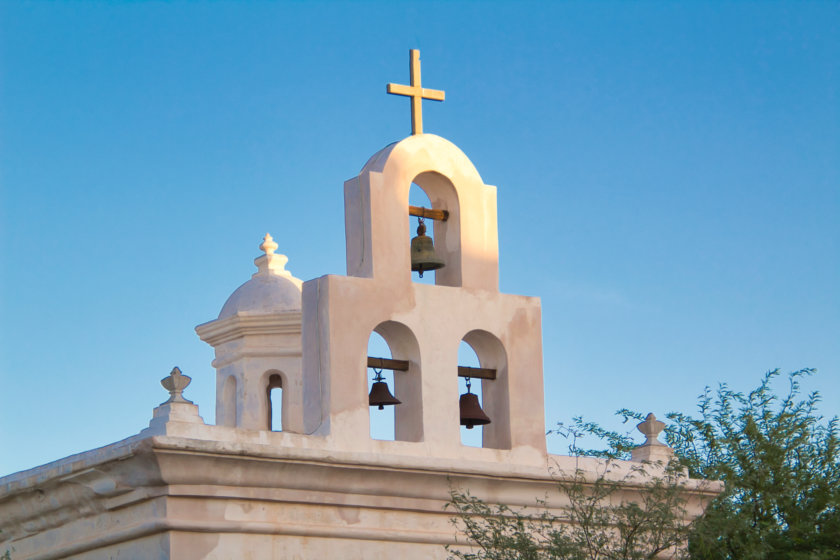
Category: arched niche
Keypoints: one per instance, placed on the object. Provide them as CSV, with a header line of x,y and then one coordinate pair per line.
x,y
447,234
381,421
407,385
274,381
495,392
467,357
418,197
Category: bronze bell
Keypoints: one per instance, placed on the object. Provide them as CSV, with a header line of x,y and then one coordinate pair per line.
x,y
381,396
423,256
471,413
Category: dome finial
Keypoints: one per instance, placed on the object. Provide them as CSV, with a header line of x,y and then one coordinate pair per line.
x,y
271,289
271,262
268,246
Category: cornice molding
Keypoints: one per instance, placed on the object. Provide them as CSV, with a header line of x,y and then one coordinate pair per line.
x,y
230,357
215,472
241,324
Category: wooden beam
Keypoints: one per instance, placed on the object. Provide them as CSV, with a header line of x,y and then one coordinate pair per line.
x,y
476,372
402,365
430,213
387,363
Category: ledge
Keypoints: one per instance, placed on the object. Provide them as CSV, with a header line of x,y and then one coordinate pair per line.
x,y
236,326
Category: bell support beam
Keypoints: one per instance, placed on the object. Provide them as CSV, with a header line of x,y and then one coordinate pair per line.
x,y
387,363
402,365
429,213
476,372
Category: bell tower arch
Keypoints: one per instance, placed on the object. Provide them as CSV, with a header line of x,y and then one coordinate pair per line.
x,y
463,304
468,239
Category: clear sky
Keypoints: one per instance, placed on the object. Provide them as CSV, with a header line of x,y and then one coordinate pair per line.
x,y
668,183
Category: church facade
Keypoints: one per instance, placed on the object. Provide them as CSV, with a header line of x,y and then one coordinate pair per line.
x,y
322,487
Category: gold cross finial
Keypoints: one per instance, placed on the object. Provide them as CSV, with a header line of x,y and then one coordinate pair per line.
x,y
416,92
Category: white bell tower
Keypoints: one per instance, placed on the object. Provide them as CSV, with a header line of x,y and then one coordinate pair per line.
x,y
423,324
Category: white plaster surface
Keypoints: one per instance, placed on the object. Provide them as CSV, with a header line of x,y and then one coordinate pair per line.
x,y
232,493
257,335
322,488
272,289
263,294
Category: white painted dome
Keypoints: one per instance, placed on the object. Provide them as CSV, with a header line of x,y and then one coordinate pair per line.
x,y
272,289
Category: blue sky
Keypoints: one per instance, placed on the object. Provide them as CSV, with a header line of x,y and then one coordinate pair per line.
x,y
668,183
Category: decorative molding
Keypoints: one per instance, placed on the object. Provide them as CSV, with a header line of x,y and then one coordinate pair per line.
x,y
231,357
119,485
241,324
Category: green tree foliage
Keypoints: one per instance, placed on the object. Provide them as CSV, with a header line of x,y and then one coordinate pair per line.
x,y
779,458
781,464
780,461
595,526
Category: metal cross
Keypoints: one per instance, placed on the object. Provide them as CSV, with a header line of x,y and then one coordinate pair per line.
x,y
416,92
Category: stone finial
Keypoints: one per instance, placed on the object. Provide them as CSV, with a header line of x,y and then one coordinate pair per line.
x,y
268,245
177,411
652,449
271,262
651,428
175,383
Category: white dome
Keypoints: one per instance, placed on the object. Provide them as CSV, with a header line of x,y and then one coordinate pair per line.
x,y
263,294
272,289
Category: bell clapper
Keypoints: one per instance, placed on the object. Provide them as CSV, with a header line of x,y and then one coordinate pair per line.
x,y
377,379
469,392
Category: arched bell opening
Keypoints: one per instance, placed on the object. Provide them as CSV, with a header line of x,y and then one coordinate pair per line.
x,y
274,401
226,403
432,191
419,248
494,393
394,357
381,420
467,358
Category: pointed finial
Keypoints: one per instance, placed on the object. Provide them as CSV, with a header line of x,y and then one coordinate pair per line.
x,y
271,262
268,246
175,383
651,428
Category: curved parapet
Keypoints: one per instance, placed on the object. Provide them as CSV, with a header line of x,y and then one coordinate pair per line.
x,y
376,214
